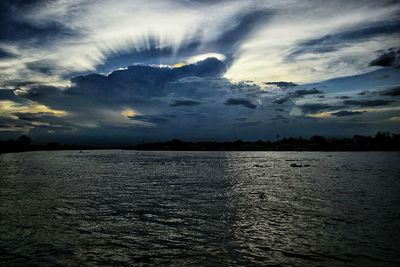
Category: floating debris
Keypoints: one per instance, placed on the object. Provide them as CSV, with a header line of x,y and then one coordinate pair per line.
x,y
296,165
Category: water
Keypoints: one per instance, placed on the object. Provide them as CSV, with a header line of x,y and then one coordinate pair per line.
x,y
121,208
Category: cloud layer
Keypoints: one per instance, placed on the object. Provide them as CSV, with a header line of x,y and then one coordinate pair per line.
x,y
124,71
191,102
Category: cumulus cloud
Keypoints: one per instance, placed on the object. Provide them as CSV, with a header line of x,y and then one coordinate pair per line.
x,y
147,102
144,102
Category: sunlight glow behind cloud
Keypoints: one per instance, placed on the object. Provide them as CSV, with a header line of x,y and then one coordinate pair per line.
x,y
97,30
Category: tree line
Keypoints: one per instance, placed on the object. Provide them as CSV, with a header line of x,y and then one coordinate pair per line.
x,y
382,141
24,143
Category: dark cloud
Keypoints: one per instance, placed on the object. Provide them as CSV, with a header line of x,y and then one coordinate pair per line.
x,y
157,119
304,92
243,26
29,116
210,67
41,119
42,66
297,94
16,28
367,103
394,91
184,102
343,97
241,102
391,91
363,92
281,100
141,87
345,113
5,54
6,94
282,84
311,108
335,41
145,81
104,102
389,58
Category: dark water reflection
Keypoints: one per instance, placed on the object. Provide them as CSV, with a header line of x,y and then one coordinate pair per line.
x,y
116,208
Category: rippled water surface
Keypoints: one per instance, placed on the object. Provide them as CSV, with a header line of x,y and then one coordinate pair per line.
x,y
119,208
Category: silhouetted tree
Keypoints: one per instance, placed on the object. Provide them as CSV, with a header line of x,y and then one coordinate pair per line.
x,y
53,145
316,139
24,141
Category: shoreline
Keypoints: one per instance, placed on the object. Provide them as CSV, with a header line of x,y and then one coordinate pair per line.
x,y
380,142
205,150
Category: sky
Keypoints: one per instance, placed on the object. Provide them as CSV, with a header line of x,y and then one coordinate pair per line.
x,y
127,71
